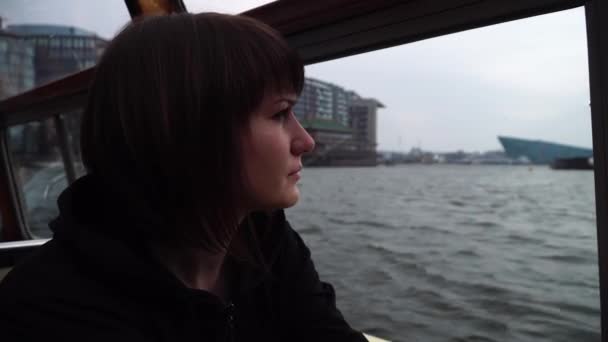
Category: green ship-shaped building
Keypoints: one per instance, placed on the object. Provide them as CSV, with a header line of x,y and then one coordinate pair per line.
x,y
541,152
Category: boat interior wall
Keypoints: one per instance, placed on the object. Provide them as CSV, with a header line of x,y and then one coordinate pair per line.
x,y
11,203
352,27
4,271
64,147
597,43
61,96
11,252
147,7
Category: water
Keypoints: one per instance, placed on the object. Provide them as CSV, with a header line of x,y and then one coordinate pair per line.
x,y
439,252
456,253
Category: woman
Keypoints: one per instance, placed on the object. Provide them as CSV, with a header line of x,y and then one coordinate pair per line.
x,y
176,233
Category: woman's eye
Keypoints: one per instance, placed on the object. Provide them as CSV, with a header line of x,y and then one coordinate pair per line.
x,y
282,115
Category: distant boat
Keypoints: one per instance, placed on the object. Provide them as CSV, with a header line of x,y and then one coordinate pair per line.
x,y
572,164
541,152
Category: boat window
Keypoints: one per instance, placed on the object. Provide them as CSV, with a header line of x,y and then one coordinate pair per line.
x,y
457,234
39,167
231,7
42,40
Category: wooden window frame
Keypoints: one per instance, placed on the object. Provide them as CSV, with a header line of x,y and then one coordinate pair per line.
x,y
333,29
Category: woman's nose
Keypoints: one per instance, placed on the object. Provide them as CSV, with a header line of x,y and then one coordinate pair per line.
x,y
302,141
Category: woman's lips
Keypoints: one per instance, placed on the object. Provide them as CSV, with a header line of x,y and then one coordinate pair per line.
x,y
295,174
296,171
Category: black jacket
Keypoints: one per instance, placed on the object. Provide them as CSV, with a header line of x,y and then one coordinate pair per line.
x,y
93,283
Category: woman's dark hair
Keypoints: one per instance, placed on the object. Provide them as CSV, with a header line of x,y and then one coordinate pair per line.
x,y
170,98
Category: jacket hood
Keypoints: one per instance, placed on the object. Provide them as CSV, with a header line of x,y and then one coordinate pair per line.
x,y
97,224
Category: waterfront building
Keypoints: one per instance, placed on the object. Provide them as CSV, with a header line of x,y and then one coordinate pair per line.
x,y
363,119
331,141
16,64
59,50
322,100
541,152
340,105
328,134
342,123
35,55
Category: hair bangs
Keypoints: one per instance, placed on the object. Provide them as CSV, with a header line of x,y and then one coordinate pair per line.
x,y
267,62
284,69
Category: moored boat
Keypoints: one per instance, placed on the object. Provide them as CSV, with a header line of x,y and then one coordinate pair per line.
x,y
578,163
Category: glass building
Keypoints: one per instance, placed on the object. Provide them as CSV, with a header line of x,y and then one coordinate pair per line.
x,y
342,123
363,119
322,100
59,50
16,64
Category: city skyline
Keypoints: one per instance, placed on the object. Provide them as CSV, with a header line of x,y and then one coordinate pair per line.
x,y
527,78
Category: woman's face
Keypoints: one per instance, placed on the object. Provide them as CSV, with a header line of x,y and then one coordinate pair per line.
x,y
272,153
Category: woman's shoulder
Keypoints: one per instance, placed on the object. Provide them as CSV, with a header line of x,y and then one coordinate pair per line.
x,y
274,234
49,294
39,272
52,275
282,247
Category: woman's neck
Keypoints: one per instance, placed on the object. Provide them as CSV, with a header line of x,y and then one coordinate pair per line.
x,y
196,268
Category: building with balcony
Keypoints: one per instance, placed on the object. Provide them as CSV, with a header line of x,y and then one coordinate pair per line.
x,y
342,123
363,120
324,101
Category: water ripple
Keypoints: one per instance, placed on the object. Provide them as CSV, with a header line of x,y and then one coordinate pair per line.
x,y
457,253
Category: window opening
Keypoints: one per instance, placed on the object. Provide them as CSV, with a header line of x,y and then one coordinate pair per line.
x,y
441,240
41,172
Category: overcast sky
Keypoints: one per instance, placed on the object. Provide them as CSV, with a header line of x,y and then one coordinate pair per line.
x,y
527,78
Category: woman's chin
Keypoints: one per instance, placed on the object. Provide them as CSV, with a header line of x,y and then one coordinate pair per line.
x,y
291,198
283,200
